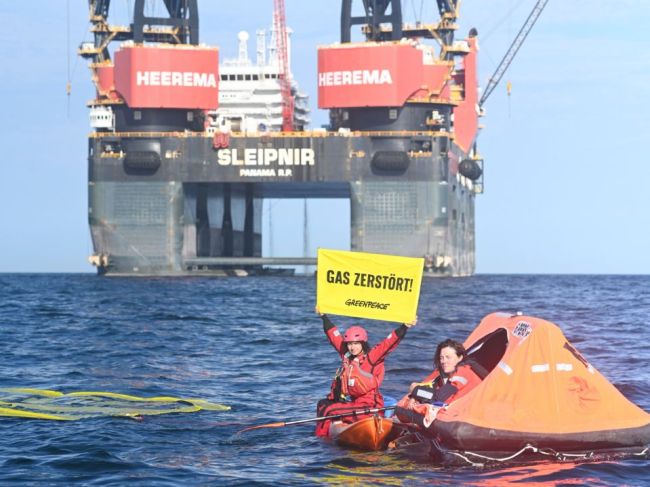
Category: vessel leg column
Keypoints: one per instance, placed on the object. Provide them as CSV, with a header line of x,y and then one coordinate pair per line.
x,y
227,231
249,220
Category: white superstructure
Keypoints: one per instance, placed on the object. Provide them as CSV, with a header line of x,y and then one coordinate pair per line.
x,y
250,97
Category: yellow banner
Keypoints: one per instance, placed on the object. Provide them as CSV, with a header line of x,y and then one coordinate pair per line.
x,y
375,286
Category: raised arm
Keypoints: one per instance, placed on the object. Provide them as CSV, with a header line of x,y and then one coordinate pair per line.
x,y
333,335
387,345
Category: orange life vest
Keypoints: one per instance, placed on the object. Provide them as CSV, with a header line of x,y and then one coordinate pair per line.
x,y
358,376
459,383
468,374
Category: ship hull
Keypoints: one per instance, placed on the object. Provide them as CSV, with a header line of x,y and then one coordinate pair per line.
x,y
179,203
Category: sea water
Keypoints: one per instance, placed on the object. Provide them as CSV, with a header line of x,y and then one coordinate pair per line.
x,y
256,345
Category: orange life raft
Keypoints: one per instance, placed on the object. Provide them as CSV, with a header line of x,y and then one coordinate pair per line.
x,y
540,393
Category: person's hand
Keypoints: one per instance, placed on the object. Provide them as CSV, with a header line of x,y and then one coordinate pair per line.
x,y
317,309
411,323
430,415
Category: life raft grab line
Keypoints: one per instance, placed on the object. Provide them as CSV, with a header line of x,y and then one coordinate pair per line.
x,y
562,456
59,406
542,451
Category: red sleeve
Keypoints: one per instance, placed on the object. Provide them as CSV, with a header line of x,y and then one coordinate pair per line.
x,y
335,339
384,347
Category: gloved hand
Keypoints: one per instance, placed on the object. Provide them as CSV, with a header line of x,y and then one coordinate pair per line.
x,y
412,323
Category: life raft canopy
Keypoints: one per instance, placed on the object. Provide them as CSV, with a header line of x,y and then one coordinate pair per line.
x,y
540,391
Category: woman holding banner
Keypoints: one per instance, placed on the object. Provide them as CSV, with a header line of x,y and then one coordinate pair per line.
x,y
356,384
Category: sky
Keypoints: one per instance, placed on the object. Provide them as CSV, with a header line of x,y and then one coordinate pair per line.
x,y
566,159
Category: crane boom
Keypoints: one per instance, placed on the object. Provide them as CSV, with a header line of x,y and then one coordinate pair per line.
x,y
283,59
512,50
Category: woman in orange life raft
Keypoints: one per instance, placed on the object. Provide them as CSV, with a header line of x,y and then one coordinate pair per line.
x,y
356,383
454,375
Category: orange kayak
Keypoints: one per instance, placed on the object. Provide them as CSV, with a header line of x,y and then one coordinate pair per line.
x,y
370,434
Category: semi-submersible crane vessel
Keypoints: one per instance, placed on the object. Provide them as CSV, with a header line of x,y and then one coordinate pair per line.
x,y
177,189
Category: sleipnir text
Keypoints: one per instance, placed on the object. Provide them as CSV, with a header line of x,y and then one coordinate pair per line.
x,y
266,157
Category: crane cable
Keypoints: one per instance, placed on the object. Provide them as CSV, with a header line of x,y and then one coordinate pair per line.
x,y
513,49
68,85
71,71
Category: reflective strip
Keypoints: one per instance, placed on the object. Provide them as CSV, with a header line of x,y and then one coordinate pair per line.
x,y
425,394
505,367
540,368
565,367
458,378
390,335
364,373
336,333
591,369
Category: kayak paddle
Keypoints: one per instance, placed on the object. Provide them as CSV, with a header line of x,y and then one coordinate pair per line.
x,y
321,418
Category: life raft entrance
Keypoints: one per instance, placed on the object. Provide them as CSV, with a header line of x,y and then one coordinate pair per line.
x,y
489,350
